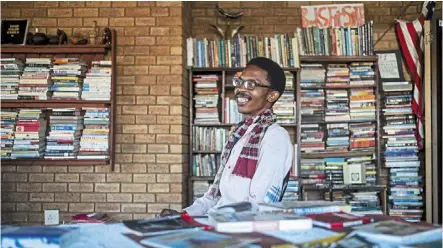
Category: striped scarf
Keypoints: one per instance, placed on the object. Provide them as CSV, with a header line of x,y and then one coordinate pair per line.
x,y
247,161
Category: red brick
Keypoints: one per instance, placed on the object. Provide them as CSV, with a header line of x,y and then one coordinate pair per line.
x,y
156,207
158,168
174,79
125,119
172,158
44,22
87,12
159,50
164,119
133,207
9,207
135,129
41,197
139,110
168,198
159,11
158,109
15,197
75,4
91,178
81,207
162,90
54,168
41,177
34,12
135,90
124,138
159,31
104,168
118,177
178,129
144,197
9,187
176,168
136,50
81,169
145,60
126,4
67,197
168,3
93,197
60,12
176,51
9,168
146,119
146,99
144,178
145,21
159,69
123,158
154,148
144,158
55,187
133,148
98,4
29,187
169,178
169,139
126,41
63,207
121,21
17,4
16,217
81,187
178,148
67,177
138,12
145,80
158,187
107,187
177,110
45,4
133,187
118,197
125,100
15,177
169,40
107,207
169,21
136,31
70,22
176,11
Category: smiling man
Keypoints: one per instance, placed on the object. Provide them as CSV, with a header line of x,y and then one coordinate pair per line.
x,y
258,154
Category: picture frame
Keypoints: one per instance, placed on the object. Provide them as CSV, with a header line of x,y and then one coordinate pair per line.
x,y
390,65
14,31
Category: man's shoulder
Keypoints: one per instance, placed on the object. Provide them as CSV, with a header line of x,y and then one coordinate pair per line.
x,y
276,133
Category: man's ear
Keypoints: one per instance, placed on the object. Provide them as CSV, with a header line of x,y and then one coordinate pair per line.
x,y
273,96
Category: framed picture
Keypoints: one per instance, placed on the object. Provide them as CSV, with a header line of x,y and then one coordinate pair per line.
x,y
14,31
390,65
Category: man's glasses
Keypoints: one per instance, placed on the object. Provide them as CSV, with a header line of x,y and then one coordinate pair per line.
x,y
249,84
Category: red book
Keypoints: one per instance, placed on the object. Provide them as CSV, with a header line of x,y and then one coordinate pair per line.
x,y
338,220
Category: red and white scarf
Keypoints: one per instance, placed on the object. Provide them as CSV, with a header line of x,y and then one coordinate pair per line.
x,y
247,161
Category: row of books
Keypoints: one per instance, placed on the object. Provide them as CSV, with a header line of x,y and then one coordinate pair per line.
x,y
337,137
400,152
58,78
284,49
73,133
338,171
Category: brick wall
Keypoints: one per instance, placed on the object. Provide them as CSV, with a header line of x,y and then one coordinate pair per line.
x,y
151,141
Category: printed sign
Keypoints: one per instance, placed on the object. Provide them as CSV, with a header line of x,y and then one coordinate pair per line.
x,y
337,15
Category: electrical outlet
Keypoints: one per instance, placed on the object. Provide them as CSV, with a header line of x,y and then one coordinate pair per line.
x,y
51,217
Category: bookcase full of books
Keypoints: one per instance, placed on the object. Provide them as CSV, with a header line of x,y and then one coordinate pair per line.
x,y
58,104
331,109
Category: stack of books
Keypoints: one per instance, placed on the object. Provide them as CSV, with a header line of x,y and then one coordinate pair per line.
x,y
338,137
97,84
365,202
334,170
285,107
205,165
30,134
291,193
337,105
35,80
312,138
312,75
10,72
312,107
209,139
337,76
401,152
63,140
312,171
362,136
94,142
362,103
206,99
67,78
362,74
8,122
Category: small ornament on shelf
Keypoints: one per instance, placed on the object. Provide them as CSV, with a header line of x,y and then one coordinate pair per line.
x,y
228,33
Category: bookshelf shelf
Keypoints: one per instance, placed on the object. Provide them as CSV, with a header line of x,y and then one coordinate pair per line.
x,y
53,103
337,154
73,162
338,59
338,88
206,152
344,187
86,53
214,125
333,122
230,69
55,49
195,178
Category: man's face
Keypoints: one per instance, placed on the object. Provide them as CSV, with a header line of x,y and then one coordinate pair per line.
x,y
253,102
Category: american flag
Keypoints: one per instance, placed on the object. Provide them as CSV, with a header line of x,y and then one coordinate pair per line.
x,y
411,38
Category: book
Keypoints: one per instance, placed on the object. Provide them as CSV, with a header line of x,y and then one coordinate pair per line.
x,y
305,207
399,232
260,221
338,220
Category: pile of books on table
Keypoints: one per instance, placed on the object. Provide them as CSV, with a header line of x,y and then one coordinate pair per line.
x,y
283,224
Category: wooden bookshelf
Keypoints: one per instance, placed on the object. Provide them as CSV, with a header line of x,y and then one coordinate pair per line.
x,y
86,53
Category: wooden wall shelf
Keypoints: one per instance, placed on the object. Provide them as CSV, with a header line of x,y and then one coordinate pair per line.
x,y
55,49
42,161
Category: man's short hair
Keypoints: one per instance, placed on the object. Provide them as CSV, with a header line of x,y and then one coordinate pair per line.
x,y
276,75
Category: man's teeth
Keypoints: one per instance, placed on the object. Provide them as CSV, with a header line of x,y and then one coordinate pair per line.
x,y
242,99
